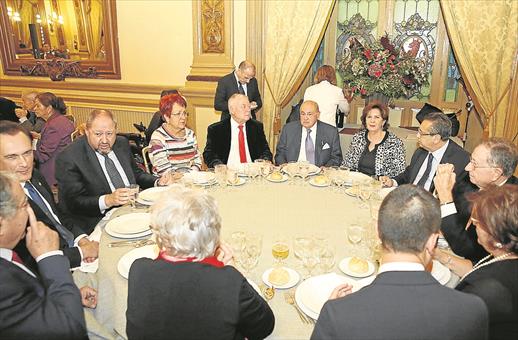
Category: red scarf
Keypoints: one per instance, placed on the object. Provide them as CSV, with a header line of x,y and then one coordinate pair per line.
x,y
211,260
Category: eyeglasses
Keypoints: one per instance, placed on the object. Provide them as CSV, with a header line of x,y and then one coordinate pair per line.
x,y
307,114
421,133
178,114
476,166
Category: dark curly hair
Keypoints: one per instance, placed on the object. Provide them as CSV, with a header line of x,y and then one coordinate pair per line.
x,y
50,99
496,209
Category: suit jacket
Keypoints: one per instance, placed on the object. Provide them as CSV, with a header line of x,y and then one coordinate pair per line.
x,y
219,138
33,123
55,136
454,154
81,180
46,307
464,242
72,253
497,285
227,86
193,300
403,305
288,147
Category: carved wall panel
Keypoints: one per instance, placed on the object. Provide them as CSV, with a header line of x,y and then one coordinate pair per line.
x,y
213,26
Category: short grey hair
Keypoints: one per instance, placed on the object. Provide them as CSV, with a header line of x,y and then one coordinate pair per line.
x,y
441,124
233,98
502,154
408,216
8,205
97,113
246,64
187,223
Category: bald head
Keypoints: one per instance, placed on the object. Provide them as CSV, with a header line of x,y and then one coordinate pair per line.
x,y
309,114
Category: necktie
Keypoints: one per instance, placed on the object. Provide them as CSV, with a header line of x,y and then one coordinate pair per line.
x,y
16,258
310,148
241,139
113,173
36,198
426,174
240,88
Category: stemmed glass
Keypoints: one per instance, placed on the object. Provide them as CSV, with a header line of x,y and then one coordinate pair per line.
x,y
133,191
365,194
310,257
327,258
303,171
221,175
280,251
355,235
232,177
291,169
251,252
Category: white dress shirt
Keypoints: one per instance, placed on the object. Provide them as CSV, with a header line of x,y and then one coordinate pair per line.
x,y
302,152
113,157
328,97
400,267
234,161
244,85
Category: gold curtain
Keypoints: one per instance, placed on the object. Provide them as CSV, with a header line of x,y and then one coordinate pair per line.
x,y
293,31
483,35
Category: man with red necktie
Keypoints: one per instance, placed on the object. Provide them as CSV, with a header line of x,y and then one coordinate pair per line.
x,y
237,139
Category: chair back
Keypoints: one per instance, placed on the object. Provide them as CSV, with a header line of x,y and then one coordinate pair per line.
x,y
71,118
79,131
147,160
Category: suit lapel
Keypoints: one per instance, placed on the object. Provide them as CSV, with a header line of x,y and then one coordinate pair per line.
x,y
319,143
297,136
418,163
250,133
226,136
92,159
124,160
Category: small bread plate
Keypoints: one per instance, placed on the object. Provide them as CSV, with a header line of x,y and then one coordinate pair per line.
x,y
133,225
293,280
149,196
344,267
203,178
352,191
316,182
239,181
355,176
312,293
312,170
125,262
278,180
440,272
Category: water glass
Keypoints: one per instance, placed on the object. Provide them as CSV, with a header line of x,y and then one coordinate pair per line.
x,y
355,233
133,191
221,174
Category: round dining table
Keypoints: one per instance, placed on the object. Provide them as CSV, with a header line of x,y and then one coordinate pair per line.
x,y
273,210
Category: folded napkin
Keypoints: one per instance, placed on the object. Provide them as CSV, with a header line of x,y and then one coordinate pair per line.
x,y
92,266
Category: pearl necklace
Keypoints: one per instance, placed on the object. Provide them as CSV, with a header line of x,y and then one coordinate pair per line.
x,y
482,263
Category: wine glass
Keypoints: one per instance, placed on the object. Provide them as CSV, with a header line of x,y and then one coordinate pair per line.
x,y
365,194
221,174
280,251
327,258
303,171
133,191
310,258
232,177
355,234
251,252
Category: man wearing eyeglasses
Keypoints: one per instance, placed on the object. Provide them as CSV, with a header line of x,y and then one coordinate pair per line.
x,y
493,162
309,140
95,171
241,81
435,147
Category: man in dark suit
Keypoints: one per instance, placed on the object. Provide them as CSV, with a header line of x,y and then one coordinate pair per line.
x,y
237,139
309,140
27,115
492,163
44,306
404,301
94,171
241,81
435,147
16,156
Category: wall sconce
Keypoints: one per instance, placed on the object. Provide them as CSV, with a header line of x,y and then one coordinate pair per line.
x,y
15,16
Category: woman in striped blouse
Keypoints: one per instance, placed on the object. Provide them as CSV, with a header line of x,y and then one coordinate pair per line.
x,y
173,145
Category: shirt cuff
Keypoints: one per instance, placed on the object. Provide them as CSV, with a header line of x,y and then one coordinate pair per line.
x,y
448,209
78,238
394,183
48,254
23,119
102,204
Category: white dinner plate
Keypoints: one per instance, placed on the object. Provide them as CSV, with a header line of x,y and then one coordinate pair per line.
x,y
240,181
201,177
133,223
125,262
352,191
149,196
321,185
294,278
313,169
344,267
312,294
283,179
440,272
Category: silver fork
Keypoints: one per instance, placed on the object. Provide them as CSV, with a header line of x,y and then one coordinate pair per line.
x,y
310,319
136,244
290,300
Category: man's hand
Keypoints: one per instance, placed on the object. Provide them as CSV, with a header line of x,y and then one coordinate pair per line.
x,y
341,291
35,135
20,113
40,239
88,297
120,196
169,178
253,105
224,253
90,249
386,181
444,181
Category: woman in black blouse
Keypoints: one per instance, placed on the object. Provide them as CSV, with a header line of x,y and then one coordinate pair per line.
x,y
374,150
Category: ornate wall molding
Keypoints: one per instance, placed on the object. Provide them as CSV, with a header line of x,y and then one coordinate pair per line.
x,y
213,26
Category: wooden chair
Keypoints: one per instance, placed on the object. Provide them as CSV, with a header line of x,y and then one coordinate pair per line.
x,y
147,160
79,131
71,118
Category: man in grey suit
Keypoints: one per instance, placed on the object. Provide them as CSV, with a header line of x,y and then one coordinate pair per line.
x,y
309,140
404,301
